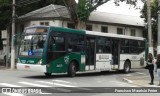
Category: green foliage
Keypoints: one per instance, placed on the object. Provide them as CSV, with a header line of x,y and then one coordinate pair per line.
x,y
5,13
154,16
84,10
22,7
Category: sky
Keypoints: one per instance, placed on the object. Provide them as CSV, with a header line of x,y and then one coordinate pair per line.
x,y
124,8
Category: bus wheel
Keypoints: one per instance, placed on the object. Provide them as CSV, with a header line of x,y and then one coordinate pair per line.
x,y
127,67
48,74
72,69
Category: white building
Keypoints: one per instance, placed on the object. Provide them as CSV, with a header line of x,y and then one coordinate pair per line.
x,y
4,41
56,15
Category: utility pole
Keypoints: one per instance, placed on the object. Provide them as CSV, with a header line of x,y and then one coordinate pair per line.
x,y
150,43
158,33
13,34
7,48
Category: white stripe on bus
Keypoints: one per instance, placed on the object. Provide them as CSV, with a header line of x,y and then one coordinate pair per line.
x,y
33,84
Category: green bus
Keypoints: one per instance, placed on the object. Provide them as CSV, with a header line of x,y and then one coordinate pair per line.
x,y
50,49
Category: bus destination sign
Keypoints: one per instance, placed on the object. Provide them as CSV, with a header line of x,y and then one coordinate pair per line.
x,y
36,30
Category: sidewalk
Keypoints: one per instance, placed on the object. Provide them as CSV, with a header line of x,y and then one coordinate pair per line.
x,y
142,81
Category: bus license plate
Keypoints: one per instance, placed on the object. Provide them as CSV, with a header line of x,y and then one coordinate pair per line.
x,y
27,67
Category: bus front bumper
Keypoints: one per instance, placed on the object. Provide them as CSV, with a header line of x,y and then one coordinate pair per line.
x,y
29,67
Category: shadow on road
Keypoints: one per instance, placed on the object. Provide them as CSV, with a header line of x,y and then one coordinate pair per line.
x,y
107,73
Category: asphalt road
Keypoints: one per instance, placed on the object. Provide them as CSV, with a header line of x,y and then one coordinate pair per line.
x,y
88,84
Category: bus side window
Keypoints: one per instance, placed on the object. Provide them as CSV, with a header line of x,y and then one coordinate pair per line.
x,y
51,44
75,43
60,43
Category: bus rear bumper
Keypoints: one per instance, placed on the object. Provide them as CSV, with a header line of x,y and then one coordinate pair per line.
x,y
29,67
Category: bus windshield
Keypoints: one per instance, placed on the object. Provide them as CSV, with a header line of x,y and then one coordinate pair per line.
x,y
32,45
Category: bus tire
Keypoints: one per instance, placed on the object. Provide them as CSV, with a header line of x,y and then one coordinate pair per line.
x,y
48,74
127,67
72,69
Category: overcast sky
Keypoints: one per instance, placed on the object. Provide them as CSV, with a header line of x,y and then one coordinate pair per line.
x,y
122,9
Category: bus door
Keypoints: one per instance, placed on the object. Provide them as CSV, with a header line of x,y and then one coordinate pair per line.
x,y
56,50
90,52
115,51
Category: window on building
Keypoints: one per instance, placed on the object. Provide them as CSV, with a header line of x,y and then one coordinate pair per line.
x,y
71,25
104,29
133,32
89,27
44,23
119,30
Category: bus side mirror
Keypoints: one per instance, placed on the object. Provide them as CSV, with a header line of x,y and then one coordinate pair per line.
x,y
53,47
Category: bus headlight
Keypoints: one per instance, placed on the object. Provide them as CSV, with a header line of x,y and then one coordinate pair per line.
x,y
40,62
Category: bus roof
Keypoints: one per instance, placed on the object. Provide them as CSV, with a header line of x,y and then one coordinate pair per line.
x,y
113,35
37,26
68,30
82,32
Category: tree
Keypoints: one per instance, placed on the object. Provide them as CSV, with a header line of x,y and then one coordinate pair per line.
x,y
154,16
5,14
80,12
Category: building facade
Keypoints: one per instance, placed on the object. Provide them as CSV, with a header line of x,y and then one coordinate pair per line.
x,y
56,15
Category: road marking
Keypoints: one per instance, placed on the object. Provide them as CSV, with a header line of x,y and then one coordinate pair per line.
x,y
33,84
125,84
62,81
45,93
133,86
45,82
119,83
129,81
9,85
141,73
128,75
60,89
64,85
13,94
